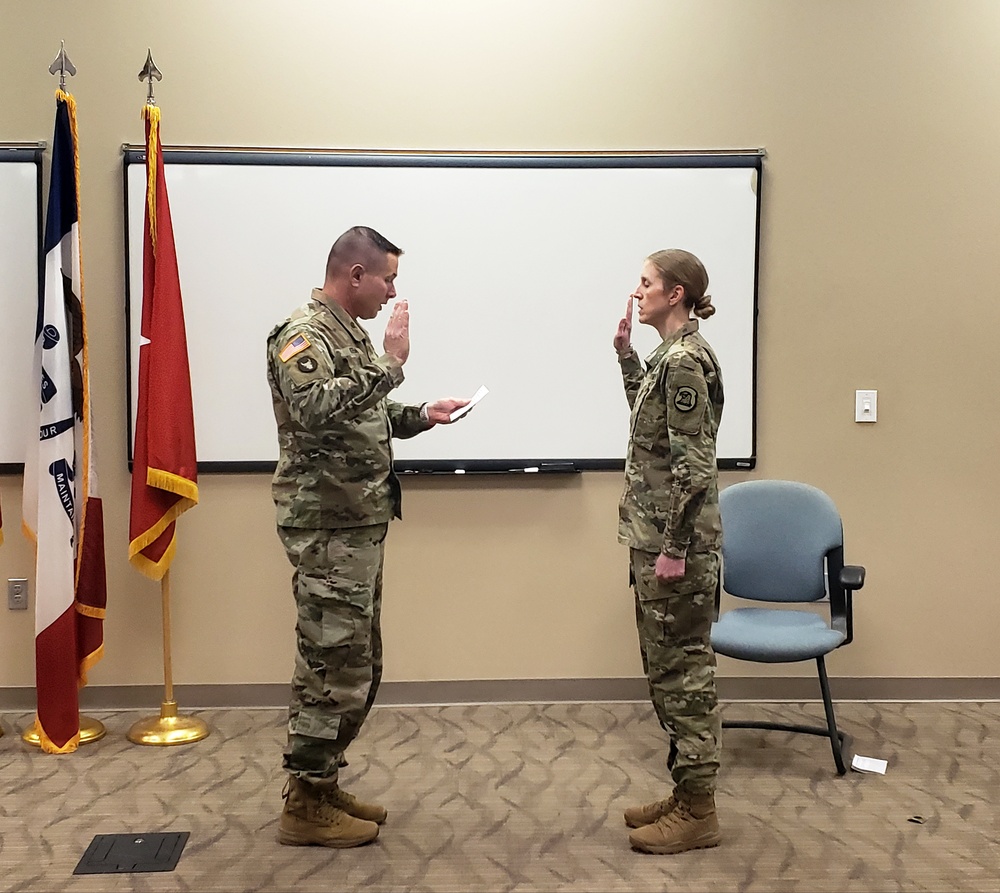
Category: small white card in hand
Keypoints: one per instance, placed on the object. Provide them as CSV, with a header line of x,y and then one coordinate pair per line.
x,y
458,413
869,764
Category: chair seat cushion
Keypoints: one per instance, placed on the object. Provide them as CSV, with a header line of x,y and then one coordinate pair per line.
x,y
773,635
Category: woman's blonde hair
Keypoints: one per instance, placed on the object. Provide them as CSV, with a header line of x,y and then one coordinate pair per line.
x,y
679,267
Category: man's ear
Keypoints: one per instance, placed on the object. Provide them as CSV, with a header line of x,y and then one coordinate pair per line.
x,y
356,273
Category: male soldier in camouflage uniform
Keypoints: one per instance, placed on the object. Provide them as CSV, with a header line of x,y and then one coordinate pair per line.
x,y
335,493
669,517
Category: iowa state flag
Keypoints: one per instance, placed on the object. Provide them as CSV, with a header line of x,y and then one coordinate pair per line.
x,y
164,466
62,512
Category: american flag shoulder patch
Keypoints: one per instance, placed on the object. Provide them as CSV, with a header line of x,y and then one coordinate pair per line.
x,y
298,344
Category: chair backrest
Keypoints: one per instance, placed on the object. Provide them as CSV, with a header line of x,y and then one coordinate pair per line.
x,y
776,536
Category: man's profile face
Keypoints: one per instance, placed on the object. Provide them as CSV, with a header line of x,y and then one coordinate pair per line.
x,y
376,286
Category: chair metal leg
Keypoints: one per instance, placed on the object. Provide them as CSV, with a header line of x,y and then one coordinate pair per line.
x,y
839,742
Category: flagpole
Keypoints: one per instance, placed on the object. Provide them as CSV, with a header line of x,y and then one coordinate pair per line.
x,y
167,728
88,728
175,480
168,664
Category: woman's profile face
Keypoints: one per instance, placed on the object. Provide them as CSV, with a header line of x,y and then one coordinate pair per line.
x,y
652,297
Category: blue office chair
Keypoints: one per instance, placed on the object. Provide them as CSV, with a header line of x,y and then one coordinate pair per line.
x,y
783,542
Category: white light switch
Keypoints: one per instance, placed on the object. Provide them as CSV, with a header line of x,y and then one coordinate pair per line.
x,y
865,406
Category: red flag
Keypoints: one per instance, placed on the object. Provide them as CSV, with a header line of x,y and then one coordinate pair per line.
x,y
164,465
61,508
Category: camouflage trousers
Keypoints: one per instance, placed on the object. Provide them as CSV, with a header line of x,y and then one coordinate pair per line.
x,y
675,624
338,657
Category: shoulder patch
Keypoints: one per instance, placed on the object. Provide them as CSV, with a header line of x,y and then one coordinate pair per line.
x,y
298,344
687,397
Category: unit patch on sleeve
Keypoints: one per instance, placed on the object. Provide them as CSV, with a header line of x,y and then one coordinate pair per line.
x,y
307,364
298,344
687,398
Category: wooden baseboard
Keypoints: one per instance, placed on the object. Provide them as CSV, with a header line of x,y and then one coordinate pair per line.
x,y
489,691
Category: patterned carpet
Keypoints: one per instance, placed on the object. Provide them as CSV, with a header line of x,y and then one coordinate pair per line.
x,y
523,798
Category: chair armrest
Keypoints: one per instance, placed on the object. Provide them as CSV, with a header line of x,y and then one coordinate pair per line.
x,y
852,576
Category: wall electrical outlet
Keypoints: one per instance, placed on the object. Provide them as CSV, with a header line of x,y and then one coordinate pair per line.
x,y
17,595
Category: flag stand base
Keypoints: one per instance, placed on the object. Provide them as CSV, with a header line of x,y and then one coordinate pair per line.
x,y
167,728
90,730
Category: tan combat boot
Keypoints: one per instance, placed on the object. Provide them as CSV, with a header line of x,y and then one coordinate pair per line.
x,y
371,812
691,825
637,816
310,819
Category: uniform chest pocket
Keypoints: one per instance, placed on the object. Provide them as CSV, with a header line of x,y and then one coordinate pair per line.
x,y
649,416
350,357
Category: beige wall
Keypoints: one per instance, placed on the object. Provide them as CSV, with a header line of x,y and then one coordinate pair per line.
x,y
879,269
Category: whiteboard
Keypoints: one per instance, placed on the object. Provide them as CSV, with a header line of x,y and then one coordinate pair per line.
x,y
20,265
517,269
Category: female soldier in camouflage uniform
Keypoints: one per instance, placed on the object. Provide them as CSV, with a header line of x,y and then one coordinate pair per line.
x,y
669,517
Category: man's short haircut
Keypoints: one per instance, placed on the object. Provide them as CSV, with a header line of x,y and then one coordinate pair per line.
x,y
360,244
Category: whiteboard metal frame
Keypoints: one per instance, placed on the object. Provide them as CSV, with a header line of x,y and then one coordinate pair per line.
x,y
201,155
26,153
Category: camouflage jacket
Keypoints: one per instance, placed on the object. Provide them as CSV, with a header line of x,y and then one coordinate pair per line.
x,y
329,390
671,499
